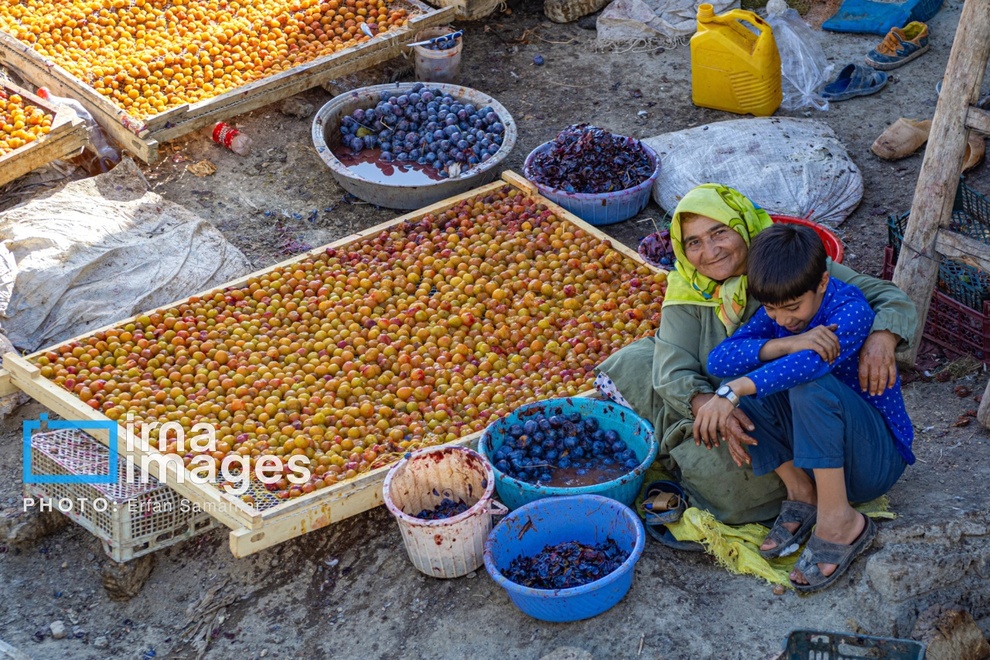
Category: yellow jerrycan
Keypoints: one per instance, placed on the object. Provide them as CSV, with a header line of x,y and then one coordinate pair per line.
x,y
735,65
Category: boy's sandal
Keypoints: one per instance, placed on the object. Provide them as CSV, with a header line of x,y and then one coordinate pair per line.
x,y
787,542
826,552
665,503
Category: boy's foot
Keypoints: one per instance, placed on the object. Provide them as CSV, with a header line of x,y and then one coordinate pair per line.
x,y
900,46
791,529
835,545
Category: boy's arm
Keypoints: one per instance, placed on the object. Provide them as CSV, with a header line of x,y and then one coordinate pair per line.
x,y
852,319
895,312
740,353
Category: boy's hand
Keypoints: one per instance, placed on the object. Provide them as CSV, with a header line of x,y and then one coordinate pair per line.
x,y
820,339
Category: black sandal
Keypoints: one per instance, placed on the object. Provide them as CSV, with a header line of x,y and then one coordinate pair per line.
x,y
819,551
788,542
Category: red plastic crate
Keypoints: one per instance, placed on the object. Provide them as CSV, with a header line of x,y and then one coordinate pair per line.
x,y
952,325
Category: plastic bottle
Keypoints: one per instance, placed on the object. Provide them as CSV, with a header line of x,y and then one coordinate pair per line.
x,y
231,138
98,156
735,65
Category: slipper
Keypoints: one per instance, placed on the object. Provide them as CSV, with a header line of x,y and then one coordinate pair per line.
x,y
826,552
665,537
854,80
665,503
976,147
902,138
788,542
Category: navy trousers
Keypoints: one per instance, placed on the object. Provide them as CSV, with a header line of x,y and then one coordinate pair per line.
x,y
825,424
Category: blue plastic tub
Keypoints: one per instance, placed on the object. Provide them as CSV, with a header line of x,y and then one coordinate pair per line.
x,y
635,431
588,519
600,208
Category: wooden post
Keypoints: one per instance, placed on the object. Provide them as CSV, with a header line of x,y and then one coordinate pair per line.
x,y
917,266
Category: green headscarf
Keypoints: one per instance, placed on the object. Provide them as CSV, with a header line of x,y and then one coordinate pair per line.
x,y
686,286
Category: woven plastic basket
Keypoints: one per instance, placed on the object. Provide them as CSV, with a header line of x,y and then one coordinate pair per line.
x,y
131,518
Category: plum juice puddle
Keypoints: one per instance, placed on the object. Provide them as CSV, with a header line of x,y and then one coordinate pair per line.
x,y
575,477
370,167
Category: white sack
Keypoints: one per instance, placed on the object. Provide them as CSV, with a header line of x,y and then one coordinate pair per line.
x,y
788,166
101,250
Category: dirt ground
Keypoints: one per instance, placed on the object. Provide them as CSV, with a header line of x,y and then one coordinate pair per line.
x,y
348,590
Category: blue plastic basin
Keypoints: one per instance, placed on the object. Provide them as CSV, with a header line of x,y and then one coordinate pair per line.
x,y
635,431
588,519
599,208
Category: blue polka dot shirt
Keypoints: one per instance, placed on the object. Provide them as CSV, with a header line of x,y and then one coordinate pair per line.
x,y
843,305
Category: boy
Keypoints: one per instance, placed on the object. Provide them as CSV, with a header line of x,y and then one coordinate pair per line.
x,y
828,441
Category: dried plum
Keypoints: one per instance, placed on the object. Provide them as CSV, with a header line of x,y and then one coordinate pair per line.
x,y
588,159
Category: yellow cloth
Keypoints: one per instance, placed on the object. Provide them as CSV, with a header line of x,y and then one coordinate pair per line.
x,y
736,548
686,286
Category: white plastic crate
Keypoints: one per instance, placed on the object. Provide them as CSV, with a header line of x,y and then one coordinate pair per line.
x,y
131,519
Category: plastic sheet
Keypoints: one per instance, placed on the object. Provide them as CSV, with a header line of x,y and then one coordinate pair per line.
x,y
100,250
803,63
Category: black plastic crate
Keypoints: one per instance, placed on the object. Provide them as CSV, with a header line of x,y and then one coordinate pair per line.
x,y
970,217
816,645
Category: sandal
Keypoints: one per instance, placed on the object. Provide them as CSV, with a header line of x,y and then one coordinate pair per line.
x,y
826,552
975,150
665,503
787,542
902,138
854,80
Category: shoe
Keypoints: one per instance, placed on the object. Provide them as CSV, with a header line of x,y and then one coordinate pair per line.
x,y
900,46
982,104
976,147
902,138
854,80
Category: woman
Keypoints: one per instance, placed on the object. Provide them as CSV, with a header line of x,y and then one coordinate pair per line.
x,y
665,378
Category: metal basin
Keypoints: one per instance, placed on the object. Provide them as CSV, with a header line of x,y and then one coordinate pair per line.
x,y
326,138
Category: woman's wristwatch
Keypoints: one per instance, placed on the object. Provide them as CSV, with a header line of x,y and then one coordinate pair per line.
x,y
726,393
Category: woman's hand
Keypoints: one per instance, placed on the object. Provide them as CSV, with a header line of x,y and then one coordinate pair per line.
x,y
710,419
736,437
877,366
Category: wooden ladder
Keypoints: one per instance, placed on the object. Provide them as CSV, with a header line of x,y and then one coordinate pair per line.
x,y
927,235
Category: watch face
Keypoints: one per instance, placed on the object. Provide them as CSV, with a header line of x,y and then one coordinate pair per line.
x,y
723,391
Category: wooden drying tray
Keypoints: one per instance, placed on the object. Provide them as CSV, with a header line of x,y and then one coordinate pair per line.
x,y
68,135
142,137
252,529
